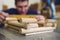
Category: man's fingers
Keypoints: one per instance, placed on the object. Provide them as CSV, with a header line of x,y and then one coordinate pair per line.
x,y
1,21
4,14
40,17
1,16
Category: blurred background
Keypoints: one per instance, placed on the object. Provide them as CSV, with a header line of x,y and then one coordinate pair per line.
x,y
35,4
10,3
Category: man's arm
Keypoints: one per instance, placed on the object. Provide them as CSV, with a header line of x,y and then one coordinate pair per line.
x,y
3,15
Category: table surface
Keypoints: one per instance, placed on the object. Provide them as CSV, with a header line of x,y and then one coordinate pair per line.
x,y
16,36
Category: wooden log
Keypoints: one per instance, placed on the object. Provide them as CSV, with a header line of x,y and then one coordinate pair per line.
x,y
51,23
17,24
32,25
11,19
28,26
32,30
27,20
13,27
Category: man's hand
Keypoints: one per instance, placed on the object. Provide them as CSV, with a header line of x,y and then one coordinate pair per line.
x,y
40,18
3,15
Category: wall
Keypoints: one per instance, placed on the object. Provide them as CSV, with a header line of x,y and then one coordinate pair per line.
x,y
10,3
0,4
33,1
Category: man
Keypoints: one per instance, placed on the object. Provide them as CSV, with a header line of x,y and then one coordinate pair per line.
x,y
51,5
22,8
52,9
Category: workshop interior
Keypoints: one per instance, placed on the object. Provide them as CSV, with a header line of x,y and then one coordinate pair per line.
x,y
22,25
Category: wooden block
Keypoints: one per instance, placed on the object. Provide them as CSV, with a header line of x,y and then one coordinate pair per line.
x,y
32,25
14,27
27,20
38,32
51,23
28,26
17,24
11,19
21,16
25,31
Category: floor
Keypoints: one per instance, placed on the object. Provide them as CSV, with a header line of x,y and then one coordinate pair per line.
x,y
9,35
